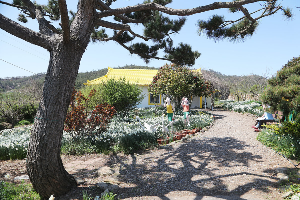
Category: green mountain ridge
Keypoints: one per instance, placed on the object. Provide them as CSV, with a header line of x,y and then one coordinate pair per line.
x,y
231,82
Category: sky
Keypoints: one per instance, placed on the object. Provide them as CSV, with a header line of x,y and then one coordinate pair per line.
x,y
273,44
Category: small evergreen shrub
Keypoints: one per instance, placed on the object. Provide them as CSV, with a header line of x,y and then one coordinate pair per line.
x,y
134,142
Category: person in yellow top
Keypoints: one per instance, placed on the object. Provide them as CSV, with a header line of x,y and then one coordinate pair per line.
x,y
169,108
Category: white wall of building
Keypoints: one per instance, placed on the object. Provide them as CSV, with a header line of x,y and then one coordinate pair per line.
x,y
145,101
195,102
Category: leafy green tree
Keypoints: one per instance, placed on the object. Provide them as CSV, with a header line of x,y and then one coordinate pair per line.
x,y
118,93
67,43
283,90
179,81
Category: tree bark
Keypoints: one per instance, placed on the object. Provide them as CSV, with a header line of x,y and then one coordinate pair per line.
x,y
44,164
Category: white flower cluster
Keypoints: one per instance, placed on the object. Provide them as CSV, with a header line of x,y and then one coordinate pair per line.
x,y
244,106
117,128
14,138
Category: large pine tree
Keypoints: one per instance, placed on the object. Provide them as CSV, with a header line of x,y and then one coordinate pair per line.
x,y
67,43
283,90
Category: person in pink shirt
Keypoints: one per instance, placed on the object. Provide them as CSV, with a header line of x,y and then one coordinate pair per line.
x,y
186,109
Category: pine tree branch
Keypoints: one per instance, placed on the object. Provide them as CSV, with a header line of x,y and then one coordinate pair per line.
x,y
30,8
24,33
178,12
12,5
102,6
143,55
112,38
37,13
140,36
232,22
271,13
64,20
123,27
246,13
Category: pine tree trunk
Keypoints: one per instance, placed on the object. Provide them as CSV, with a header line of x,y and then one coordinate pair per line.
x,y
44,164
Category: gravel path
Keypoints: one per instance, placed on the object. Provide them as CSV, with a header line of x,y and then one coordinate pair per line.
x,y
224,162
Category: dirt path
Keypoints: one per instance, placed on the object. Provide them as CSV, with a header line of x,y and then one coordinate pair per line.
x,y
224,162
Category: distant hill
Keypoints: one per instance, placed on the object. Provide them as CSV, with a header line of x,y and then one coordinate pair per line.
x,y
226,84
19,82
235,85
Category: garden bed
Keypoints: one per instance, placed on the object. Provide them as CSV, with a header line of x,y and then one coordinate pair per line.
x,y
124,134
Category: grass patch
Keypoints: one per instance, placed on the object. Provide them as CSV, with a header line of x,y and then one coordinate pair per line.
x,y
11,191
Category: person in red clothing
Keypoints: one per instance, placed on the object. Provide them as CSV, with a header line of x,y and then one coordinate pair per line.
x,y
186,109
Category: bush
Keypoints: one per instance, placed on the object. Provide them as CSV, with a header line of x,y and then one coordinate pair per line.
x,y
141,140
121,94
284,138
77,145
11,191
290,128
24,122
286,144
79,121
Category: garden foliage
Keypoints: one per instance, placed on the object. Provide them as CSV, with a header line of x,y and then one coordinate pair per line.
x,y
123,134
16,106
12,191
284,139
179,81
80,121
252,107
283,90
118,93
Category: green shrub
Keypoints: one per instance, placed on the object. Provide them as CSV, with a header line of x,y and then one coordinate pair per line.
x,y
103,145
134,142
288,145
24,122
11,191
118,93
4,153
77,146
290,128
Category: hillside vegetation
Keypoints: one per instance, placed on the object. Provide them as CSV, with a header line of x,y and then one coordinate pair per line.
x,y
237,86
226,84
12,83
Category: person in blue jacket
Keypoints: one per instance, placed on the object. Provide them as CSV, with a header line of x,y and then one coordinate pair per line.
x,y
260,120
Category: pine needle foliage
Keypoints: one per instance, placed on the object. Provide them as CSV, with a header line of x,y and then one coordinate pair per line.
x,y
283,90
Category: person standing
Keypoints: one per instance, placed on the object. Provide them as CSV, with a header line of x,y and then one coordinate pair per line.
x,y
169,109
186,108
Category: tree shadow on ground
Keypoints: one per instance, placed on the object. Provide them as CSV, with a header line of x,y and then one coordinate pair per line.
x,y
195,168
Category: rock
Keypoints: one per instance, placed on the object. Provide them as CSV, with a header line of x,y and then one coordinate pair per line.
x,y
79,181
23,177
281,170
113,188
102,185
287,194
107,186
282,177
105,171
5,125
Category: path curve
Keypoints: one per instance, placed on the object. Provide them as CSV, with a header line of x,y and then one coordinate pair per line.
x,y
224,162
